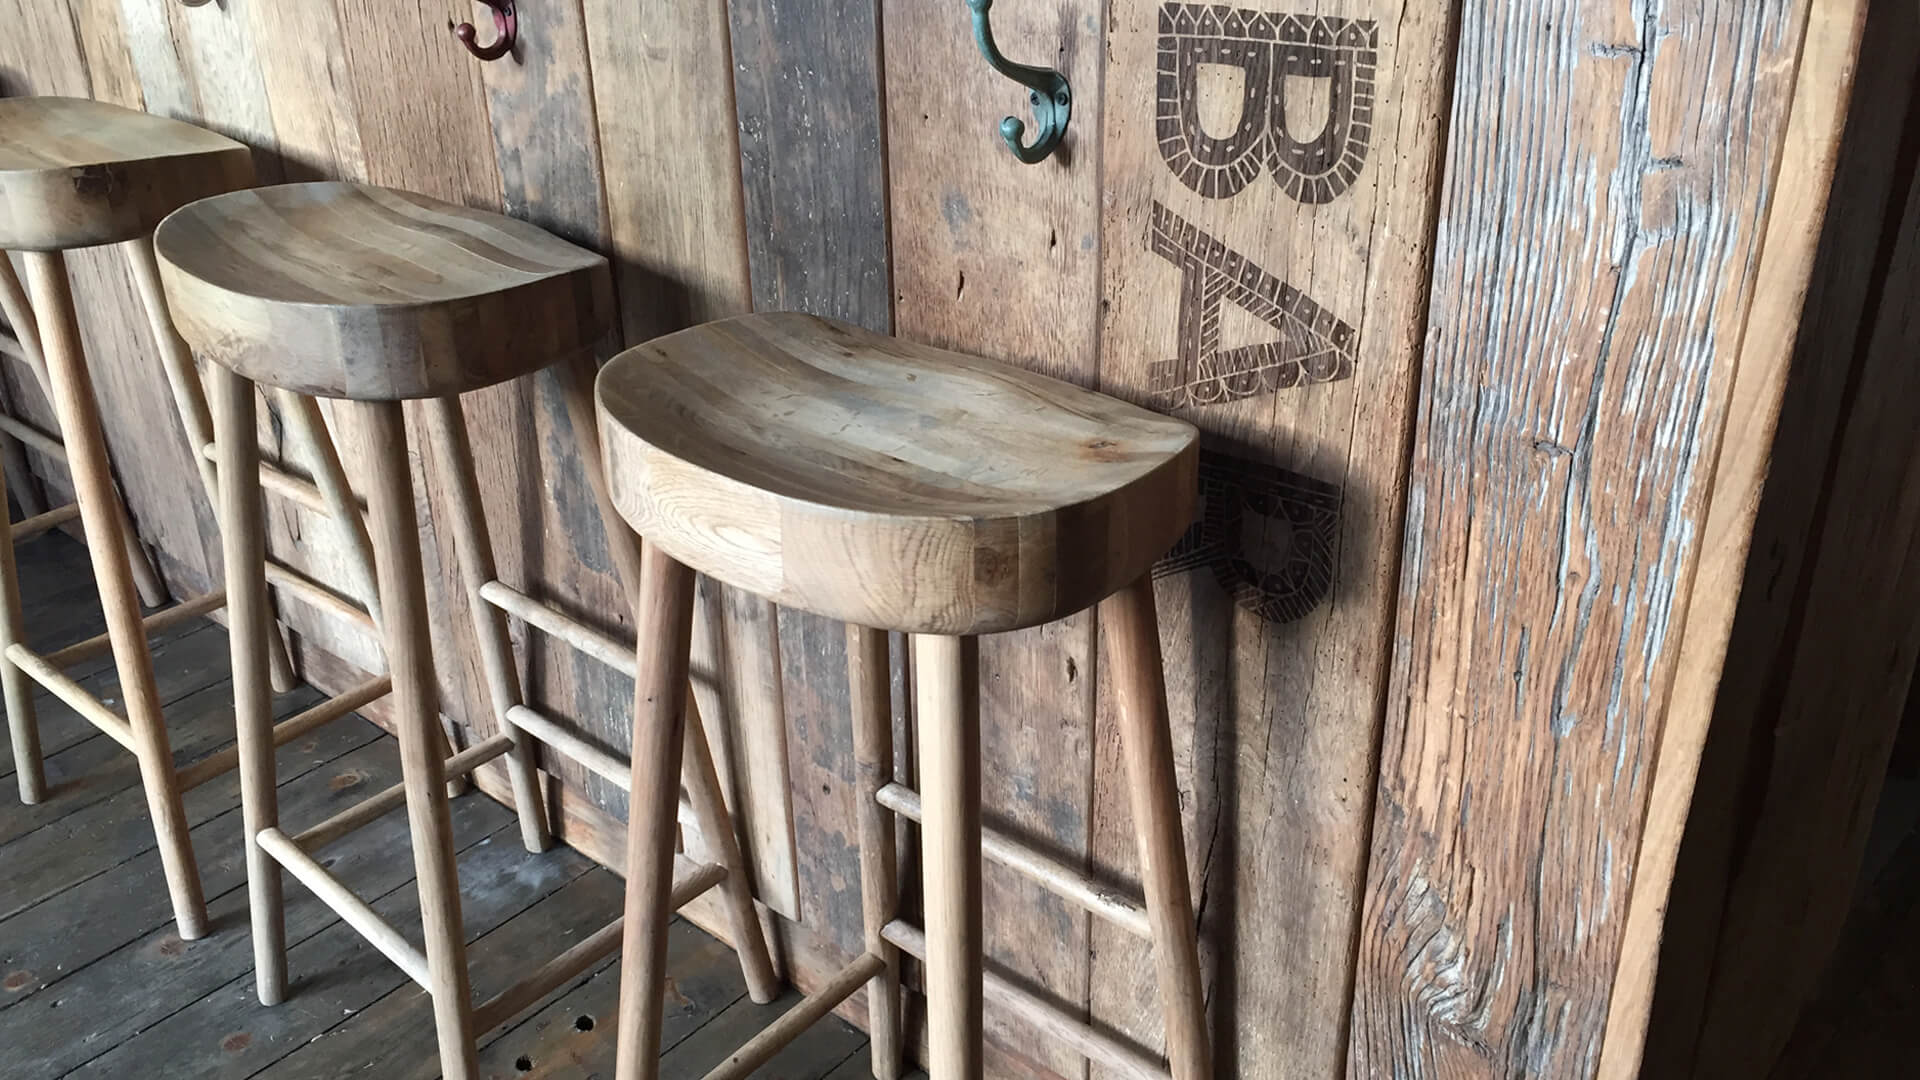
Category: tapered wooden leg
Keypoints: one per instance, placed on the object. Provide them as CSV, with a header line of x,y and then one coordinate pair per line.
x,y
73,402
23,728
1132,632
453,451
403,597
716,825
190,401
26,329
947,684
660,699
249,627
869,678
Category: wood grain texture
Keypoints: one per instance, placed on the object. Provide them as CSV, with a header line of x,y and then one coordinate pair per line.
x,y
1285,319
1001,259
350,291
76,172
884,483
1573,405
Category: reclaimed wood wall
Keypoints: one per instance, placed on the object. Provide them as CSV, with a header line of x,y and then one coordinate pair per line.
x,y
1480,306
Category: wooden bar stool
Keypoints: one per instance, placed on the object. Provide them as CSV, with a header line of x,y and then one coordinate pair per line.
x,y
374,297
900,487
75,174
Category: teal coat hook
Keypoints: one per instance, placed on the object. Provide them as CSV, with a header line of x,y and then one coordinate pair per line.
x,y
1047,89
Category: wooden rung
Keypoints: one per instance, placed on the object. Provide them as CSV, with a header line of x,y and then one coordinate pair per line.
x,y
287,730
1125,1058
613,770
601,647
152,624
320,596
33,437
385,802
72,694
1118,908
280,482
40,523
690,879
762,1047
346,903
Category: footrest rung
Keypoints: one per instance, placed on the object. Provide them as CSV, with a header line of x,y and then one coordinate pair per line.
x,y
289,729
1064,881
613,770
762,1047
601,647
346,903
152,624
1090,1042
40,523
273,478
389,800
321,596
72,694
33,438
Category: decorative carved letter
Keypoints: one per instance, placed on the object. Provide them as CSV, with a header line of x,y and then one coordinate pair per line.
x,y
1269,49
1313,344
1300,518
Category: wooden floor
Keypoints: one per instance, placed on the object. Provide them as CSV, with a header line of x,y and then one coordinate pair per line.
x,y
94,983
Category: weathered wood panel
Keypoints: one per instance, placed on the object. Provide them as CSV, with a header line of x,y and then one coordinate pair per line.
x,y
1269,286
813,178
1003,260
678,244
1610,174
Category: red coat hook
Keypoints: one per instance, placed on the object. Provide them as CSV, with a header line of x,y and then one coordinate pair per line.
x,y
504,20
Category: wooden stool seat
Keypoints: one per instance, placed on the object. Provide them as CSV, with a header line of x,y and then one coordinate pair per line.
x,y
75,173
885,483
351,291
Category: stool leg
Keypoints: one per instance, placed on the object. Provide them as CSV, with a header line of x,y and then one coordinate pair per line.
x,y
947,688
190,401
447,427
73,402
403,598
22,726
249,627
870,681
665,615
710,813
20,316
1128,621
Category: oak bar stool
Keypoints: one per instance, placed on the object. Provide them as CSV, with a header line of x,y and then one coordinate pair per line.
x,y
373,297
896,486
73,174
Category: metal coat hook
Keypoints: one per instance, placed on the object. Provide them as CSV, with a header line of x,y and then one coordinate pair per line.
x,y
1048,91
505,20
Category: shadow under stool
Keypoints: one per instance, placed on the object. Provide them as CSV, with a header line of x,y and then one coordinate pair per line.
x,y
896,486
75,174
373,297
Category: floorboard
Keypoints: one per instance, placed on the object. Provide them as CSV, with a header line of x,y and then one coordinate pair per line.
x,y
94,983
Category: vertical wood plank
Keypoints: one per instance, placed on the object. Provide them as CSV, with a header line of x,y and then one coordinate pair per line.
x,y
677,237
806,80
1841,677
1002,259
1788,392
1572,406
1268,284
